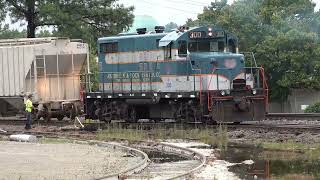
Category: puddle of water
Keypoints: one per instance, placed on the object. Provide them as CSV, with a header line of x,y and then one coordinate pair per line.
x,y
271,164
160,157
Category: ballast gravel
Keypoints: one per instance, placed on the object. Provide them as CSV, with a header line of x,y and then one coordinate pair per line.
x,y
36,161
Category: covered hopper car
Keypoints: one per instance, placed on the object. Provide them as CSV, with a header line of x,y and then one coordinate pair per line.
x,y
190,75
47,68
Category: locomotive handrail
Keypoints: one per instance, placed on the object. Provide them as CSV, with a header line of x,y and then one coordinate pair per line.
x,y
103,74
194,81
253,57
266,88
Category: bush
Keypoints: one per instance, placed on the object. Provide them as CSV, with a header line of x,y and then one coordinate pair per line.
x,y
315,108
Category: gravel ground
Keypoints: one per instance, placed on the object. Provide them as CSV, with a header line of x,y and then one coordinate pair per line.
x,y
290,121
250,135
37,161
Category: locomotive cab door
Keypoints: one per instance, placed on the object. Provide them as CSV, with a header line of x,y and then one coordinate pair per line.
x,y
146,73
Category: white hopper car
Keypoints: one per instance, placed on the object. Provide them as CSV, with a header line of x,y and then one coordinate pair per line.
x,y
48,68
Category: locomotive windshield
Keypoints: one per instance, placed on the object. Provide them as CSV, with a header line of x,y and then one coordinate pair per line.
x,y
206,46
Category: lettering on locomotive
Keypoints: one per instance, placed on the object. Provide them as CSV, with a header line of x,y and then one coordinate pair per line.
x,y
133,77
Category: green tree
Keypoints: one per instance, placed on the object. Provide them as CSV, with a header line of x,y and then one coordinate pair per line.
x,y
7,33
77,18
170,26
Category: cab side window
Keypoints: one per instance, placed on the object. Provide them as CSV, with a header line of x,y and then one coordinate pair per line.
x,y
220,46
182,51
167,52
109,47
231,46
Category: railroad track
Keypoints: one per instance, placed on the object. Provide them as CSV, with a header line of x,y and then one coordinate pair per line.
x,y
288,124
293,116
22,121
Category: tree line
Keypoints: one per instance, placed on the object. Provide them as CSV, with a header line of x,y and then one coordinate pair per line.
x,y
81,19
283,34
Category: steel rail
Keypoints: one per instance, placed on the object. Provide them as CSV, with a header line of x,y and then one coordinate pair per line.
x,y
293,116
39,122
177,150
131,170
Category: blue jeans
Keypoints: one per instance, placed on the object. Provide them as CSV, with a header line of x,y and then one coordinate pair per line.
x,y
29,120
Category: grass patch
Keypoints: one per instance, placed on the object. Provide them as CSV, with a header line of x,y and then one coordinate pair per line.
x,y
118,132
159,132
289,145
310,151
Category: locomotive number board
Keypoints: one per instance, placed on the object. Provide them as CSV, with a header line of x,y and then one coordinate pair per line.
x,y
197,34
203,34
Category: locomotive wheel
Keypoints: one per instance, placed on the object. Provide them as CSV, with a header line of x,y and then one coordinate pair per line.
x,y
132,115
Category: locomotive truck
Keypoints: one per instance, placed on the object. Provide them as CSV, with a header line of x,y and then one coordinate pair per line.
x,y
189,75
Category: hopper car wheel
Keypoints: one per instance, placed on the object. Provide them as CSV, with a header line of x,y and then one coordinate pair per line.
x,y
73,112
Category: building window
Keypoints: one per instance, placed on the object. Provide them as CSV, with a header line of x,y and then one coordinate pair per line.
x,y
109,47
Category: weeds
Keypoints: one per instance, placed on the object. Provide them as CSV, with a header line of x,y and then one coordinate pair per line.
x,y
159,132
289,145
118,132
55,141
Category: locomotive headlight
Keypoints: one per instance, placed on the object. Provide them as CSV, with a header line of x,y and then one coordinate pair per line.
x,y
209,29
254,92
210,33
223,93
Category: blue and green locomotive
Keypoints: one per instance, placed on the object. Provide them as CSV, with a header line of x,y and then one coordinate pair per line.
x,y
190,75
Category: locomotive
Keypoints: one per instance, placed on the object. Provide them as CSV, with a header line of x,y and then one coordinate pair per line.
x,y
192,75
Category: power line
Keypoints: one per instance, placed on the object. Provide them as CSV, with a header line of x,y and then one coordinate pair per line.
x,y
169,7
192,3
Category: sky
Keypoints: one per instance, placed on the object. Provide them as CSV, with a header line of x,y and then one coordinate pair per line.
x,y
177,11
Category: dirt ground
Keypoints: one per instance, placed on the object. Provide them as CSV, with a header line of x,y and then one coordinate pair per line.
x,y
37,161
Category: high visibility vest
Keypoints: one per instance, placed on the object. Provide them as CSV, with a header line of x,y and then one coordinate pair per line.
x,y
29,105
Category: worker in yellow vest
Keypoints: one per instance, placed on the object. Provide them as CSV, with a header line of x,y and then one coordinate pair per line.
x,y
28,109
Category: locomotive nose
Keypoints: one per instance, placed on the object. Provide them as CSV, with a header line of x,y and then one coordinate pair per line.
x,y
212,61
